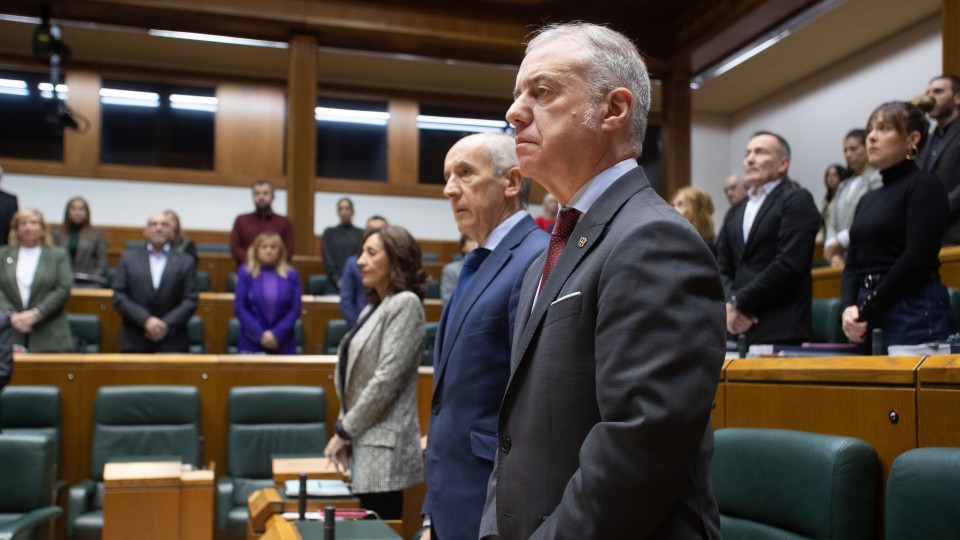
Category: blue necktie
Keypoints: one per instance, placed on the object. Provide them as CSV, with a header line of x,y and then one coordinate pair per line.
x,y
470,265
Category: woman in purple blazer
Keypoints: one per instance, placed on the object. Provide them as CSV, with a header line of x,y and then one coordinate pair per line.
x,y
267,298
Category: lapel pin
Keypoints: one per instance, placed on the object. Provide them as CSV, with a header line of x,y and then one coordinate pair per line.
x,y
582,242
9,260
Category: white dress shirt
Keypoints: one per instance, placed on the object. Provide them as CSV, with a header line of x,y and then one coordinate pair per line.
x,y
756,196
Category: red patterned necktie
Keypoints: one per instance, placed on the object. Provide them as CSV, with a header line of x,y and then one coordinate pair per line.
x,y
566,221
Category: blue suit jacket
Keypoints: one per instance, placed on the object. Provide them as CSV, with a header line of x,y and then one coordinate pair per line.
x,y
471,368
352,296
248,303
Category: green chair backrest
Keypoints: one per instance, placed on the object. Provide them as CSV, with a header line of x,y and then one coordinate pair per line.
x,y
317,284
28,473
923,495
827,326
233,334
213,247
433,289
203,281
429,340
32,410
145,420
195,334
775,483
231,281
336,329
85,329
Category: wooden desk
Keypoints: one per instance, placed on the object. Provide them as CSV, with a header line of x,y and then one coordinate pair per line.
x,y
156,500
264,507
939,401
852,396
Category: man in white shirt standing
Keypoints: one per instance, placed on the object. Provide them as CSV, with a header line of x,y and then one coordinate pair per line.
x,y
767,248
155,292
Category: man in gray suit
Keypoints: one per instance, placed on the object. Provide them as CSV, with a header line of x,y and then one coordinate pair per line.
x,y
604,428
155,292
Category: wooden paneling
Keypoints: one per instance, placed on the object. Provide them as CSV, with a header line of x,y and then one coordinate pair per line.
x,y
403,150
249,131
301,156
216,310
676,133
939,401
950,19
81,149
826,282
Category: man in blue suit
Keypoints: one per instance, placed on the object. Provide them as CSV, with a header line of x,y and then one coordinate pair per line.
x,y
488,197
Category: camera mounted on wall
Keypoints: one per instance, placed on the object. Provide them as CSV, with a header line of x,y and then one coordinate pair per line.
x,y
50,50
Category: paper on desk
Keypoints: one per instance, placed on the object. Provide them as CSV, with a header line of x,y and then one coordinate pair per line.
x,y
318,488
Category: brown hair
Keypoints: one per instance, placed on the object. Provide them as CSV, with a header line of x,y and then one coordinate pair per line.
x,y
14,238
406,270
701,206
905,117
253,263
68,225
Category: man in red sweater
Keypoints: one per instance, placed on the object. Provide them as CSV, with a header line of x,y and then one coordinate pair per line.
x,y
247,226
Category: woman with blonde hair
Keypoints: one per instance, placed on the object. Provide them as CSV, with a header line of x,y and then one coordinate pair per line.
x,y
35,285
267,298
84,243
697,206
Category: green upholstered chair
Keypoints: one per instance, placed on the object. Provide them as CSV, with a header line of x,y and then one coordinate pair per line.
x,y
130,422
28,472
955,304
317,284
195,334
430,256
231,281
827,326
336,329
233,334
433,289
32,410
773,483
213,247
923,495
262,422
85,329
429,340
203,281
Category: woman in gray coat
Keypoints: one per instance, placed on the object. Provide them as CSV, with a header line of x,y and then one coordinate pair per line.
x,y
85,244
378,434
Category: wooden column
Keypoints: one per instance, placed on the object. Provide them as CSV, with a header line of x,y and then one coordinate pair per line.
x,y
81,150
675,131
950,19
301,162
403,143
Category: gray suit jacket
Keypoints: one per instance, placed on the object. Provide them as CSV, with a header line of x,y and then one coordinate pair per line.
x,y
604,429
91,257
378,407
174,301
846,201
49,294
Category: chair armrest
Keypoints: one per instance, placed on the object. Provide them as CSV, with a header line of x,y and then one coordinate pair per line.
x,y
81,497
22,527
224,500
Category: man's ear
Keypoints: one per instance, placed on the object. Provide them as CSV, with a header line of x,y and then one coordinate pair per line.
x,y
514,181
617,109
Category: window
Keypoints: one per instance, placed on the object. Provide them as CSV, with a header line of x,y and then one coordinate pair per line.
x,y
441,127
30,128
352,139
157,125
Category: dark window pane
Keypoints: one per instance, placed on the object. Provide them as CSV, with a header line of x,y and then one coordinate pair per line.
x,y
158,125
352,139
25,131
441,127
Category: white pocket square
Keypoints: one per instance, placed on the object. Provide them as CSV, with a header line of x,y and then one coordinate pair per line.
x,y
564,297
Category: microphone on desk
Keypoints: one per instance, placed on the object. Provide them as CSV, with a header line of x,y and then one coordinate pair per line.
x,y
876,344
302,497
329,523
742,346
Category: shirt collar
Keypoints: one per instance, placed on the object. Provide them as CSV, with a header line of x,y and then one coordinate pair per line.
x,y
165,250
588,194
500,231
764,190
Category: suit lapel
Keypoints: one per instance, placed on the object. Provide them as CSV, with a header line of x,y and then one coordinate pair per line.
x,y
359,340
10,271
587,234
768,203
945,144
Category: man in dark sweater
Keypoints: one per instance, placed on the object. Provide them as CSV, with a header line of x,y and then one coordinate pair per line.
x,y
340,242
248,226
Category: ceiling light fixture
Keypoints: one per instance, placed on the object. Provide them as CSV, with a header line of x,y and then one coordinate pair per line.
x,y
217,39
